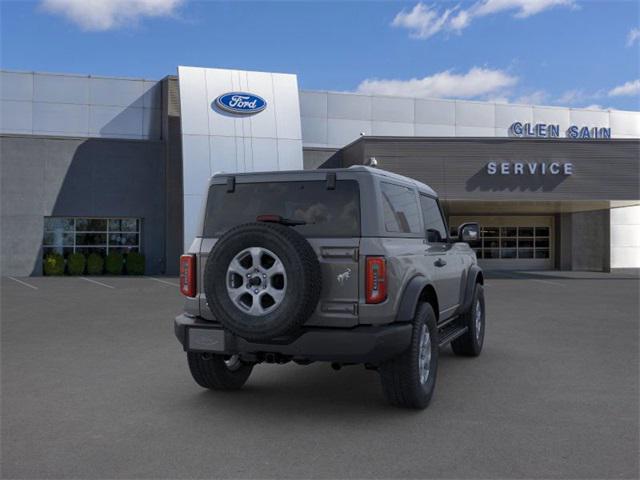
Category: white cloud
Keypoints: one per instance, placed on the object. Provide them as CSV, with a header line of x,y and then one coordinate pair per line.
x,y
580,97
421,21
538,97
631,87
424,22
571,97
475,83
100,15
633,36
524,8
497,86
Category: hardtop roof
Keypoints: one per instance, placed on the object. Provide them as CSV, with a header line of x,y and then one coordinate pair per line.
x,y
363,169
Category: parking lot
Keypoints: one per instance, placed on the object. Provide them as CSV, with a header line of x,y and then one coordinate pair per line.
x,y
94,385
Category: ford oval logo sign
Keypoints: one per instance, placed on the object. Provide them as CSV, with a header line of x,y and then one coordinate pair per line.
x,y
240,103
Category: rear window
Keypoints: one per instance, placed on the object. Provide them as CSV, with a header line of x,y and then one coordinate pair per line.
x,y
327,213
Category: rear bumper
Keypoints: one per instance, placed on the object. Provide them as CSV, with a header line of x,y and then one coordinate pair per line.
x,y
362,344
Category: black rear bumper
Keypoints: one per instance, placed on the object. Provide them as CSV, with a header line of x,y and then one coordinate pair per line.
x,y
363,344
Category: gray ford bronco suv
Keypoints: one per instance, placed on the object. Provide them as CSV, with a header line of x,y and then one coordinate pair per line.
x,y
348,266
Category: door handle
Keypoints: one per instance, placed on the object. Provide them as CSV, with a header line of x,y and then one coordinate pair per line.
x,y
440,262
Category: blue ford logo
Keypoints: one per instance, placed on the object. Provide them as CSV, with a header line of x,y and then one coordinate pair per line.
x,y
241,103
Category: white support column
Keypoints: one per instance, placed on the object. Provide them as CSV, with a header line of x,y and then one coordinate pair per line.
x,y
215,140
625,237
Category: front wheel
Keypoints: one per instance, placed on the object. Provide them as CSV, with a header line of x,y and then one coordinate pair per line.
x,y
410,379
470,344
218,372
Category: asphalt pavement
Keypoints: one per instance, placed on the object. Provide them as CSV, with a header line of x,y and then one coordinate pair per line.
x,y
95,385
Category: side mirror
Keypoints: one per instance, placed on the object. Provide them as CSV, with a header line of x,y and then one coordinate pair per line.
x,y
469,232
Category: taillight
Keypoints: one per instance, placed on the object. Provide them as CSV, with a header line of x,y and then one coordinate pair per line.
x,y
376,280
188,275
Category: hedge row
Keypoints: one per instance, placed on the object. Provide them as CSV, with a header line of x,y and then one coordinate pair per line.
x,y
78,264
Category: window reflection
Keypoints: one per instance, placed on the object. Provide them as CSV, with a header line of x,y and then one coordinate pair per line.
x,y
65,235
513,242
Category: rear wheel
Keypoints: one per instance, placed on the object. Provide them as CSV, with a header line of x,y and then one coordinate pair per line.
x,y
409,379
470,344
218,372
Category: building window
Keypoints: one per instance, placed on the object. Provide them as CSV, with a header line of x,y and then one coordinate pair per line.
x,y
513,242
65,235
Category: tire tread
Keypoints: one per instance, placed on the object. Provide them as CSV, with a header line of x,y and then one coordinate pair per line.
x,y
212,373
466,345
309,290
399,377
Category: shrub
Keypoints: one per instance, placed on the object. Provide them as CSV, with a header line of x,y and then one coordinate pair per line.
x,y
53,264
76,263
95,264
135,263
113,263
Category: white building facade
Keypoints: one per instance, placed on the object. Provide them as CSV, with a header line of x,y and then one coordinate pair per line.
x,y
67,128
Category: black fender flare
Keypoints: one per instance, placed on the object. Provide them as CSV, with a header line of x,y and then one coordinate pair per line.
x,y
410,297
475,272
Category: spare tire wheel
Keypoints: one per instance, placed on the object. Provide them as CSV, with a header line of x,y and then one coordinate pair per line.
x,y
262,280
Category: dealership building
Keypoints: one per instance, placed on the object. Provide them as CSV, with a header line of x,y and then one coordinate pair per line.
x,y
101,164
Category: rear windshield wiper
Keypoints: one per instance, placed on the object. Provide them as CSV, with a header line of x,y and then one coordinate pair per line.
x,y
281,220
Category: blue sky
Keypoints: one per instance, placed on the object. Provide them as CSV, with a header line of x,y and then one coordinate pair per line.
x,y
558,52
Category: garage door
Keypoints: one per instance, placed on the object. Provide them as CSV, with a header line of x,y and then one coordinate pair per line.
x,y
513,242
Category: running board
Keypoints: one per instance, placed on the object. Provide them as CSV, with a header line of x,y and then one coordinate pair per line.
x,y
450,334
447,322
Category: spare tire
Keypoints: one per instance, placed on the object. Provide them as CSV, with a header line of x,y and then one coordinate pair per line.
x,y
262,280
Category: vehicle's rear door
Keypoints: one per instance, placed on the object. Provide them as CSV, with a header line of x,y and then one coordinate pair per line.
x,y
326,213
338,305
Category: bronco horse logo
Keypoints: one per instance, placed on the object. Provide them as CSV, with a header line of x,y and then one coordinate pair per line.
x,y
344,276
